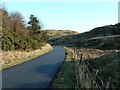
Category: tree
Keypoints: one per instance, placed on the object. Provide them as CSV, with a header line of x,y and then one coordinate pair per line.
x,y
15,36
6,19
18,23
13,21
44,36
34,25
0,19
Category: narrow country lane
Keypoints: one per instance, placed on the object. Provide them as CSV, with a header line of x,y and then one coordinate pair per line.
x,y
37,73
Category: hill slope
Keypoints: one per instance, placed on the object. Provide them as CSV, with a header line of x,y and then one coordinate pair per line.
x,y
106,37
59,33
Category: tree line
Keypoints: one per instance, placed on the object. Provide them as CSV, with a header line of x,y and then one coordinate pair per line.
x,y
19,35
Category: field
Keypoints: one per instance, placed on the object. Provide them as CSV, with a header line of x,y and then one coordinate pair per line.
x,y
108,67
102,61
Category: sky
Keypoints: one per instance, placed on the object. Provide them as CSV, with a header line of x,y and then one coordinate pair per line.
x,y
76,16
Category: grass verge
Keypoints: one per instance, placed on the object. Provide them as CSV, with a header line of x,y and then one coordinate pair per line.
x,y
12,58
66,78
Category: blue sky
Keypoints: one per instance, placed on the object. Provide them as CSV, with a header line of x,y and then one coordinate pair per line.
x,y
77,16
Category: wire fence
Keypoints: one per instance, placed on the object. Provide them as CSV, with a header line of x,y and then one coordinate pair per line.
x,y
87,77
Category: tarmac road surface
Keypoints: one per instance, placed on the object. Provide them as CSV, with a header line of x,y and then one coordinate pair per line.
x,y
37,73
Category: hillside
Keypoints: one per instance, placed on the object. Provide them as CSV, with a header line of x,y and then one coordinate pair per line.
x,y
106,37
60,33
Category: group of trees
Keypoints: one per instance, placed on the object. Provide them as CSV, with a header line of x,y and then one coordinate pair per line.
x,y
13,21
19,35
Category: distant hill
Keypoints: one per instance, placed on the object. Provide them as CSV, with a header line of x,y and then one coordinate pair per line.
x,y
105,37
59,33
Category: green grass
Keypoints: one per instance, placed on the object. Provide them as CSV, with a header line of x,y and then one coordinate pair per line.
x,y
66,77
108,66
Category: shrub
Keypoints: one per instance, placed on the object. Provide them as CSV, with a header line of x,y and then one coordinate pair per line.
x,y
14,41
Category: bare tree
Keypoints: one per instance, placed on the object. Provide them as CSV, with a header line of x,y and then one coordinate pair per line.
x,y
18,23
0,19
6,19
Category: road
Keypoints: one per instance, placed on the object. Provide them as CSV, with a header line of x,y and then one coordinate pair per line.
x,y
37,73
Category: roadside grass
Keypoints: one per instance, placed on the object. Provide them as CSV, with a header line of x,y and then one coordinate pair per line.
x,y
66,77
108,66
12,58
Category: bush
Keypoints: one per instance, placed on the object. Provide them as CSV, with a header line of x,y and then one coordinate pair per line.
x,y
14,41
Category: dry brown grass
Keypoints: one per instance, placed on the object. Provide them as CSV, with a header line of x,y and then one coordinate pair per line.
x,y
87,53
12,58
59,33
